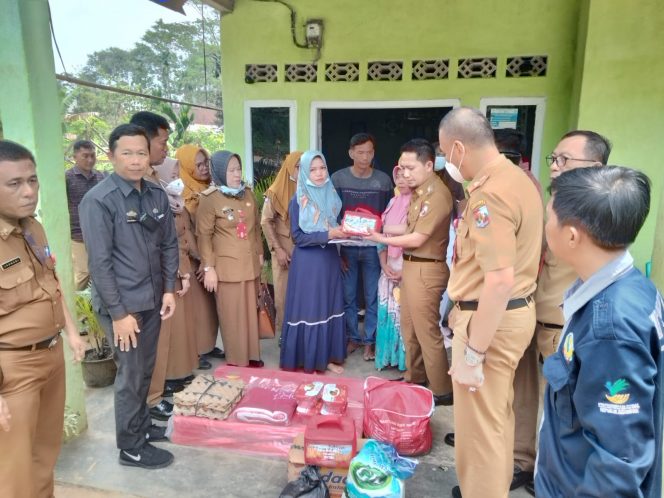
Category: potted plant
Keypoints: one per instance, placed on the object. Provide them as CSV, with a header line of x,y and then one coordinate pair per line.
x,y
98,366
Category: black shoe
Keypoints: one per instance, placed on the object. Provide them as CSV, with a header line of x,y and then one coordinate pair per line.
x,y
156,434
520,477
530,488
162,411
443,399
203,364
449,439
171,388
456,492
256,364
188,380
147,457
216,353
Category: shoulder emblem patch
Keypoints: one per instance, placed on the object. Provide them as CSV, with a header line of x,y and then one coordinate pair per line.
x,y
617,397
209,190
481,214
425,209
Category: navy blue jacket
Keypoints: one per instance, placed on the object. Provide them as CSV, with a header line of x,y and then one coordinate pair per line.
x,y
601,434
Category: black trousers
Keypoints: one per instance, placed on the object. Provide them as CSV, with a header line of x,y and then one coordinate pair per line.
x,y
132,413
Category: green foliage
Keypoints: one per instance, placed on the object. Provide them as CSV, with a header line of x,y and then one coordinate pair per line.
x,y
70,427
181,120
88,320
210,140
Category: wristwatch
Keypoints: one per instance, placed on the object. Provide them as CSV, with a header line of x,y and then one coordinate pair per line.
x,y
473,358
206,269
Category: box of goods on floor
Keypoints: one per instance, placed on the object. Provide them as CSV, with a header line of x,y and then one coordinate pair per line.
x,y
341,436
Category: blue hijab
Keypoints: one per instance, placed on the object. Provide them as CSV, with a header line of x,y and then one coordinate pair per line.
x,y
322,207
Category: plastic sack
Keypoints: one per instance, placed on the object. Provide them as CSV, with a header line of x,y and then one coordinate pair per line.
x,y
399,414
267,401
378,471
308,485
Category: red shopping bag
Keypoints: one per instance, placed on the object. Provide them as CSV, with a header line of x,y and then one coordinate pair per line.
x,y
399,414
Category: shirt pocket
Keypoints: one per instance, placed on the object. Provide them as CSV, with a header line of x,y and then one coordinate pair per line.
x,y
461,241
558,375
16,288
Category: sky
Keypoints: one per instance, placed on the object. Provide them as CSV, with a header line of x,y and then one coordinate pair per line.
x,y
86,26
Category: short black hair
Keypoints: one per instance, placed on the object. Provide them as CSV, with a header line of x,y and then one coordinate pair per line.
x,y
610,203
126,130
151,122
83,144
467,125
597,148
422,149
362,138
12,152
510,142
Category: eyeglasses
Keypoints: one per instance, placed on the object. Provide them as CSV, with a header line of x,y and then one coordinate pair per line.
x,y
561,160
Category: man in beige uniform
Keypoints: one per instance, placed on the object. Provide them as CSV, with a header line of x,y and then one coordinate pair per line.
x,y
497,254
32,312
576,149
425,273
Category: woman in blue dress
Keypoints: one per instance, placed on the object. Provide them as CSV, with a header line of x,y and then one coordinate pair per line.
x,y
314,334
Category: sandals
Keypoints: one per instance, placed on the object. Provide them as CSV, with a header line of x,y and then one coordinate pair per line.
x,y
369,354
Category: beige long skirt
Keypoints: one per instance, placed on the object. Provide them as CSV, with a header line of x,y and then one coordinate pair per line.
x,y
237,306
204,314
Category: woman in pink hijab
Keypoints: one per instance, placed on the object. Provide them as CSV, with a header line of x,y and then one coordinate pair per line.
x,y
390,351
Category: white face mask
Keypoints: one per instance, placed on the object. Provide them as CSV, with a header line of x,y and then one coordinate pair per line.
x,y
176,187
439,164
454,171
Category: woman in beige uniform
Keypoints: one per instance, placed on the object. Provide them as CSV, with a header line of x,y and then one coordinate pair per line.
x,y
276,227
195,174
177,354
229,240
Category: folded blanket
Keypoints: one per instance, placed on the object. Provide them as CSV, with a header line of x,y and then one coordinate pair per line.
x,y
208,397
267,405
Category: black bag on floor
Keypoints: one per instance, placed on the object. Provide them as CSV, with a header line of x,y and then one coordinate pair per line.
x,y
308,485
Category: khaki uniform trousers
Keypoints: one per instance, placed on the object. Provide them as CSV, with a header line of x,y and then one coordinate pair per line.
x,y
280,282
484,419
422,285
34,389
80,261
527,395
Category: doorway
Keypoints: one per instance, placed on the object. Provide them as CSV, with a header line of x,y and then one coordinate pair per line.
x,y
391,123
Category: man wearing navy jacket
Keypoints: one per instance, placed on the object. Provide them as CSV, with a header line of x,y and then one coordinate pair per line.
x,y
601,432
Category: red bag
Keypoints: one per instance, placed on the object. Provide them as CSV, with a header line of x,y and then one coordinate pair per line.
x,y
399,414
359,222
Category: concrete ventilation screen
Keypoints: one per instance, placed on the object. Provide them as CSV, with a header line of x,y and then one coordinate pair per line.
x,y
437,69
523,65
477,68
306,73
385,71
260,73
342,71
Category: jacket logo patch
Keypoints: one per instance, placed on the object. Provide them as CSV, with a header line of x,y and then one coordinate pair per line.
x,y
481,214
618,398
12,262
568,347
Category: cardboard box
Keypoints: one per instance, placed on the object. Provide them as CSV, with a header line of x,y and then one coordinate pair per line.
x,y
335,478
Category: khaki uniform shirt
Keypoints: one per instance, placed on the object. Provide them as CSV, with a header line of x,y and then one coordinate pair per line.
x,y
276,229
556,277
185,241
30,300
429,214
501,227
234,257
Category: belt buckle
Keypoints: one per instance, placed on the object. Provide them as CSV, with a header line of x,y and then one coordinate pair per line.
x,y
53,342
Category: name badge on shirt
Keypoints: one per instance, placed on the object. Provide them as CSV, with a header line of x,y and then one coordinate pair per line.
x,y
132,216
9,263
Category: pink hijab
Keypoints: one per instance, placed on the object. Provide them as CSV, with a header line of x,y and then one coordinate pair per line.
x,y
396,213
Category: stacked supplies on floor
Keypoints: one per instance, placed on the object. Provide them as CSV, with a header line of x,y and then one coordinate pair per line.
x,y
208,397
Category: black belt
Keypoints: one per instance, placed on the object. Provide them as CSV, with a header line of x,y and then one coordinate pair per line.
x,y
550,325
512,304
45,344
417,259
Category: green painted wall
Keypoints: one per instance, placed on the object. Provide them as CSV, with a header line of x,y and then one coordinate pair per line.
x,y
622,95
362,31
30,114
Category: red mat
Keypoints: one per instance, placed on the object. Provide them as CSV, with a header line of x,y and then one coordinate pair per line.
x,y
261,439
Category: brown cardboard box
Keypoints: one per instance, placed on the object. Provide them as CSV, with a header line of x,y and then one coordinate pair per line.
x,y
335,478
